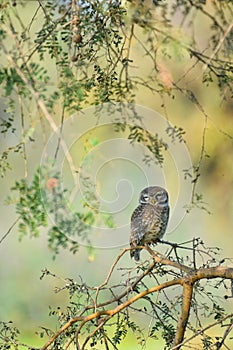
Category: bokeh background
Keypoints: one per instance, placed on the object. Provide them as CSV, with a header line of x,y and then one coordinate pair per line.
x,y
25,299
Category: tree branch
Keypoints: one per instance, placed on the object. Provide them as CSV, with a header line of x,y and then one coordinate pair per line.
x,y
185,310
111,312
227,332
40,103
109,274
187,282
159,258
9,230
202,331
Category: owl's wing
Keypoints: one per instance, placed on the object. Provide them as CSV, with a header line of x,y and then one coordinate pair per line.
x,y
141,221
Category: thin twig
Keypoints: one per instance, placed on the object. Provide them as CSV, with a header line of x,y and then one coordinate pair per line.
x,y
187,282
49,33
227,332
43,108
109,275
23,136
100,325
159,258
60,132
110,313
197,333
217,48
9,230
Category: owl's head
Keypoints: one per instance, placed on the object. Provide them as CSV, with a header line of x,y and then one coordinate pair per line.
x,y
154,195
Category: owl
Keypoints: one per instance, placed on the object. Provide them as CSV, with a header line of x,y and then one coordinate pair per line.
x,y
149,219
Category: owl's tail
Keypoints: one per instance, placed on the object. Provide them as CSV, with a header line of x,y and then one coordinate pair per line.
x,y
135,254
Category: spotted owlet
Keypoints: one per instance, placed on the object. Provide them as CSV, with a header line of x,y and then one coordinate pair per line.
x,y
149,219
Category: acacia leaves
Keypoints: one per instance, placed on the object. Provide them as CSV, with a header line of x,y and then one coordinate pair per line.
x,y
44,203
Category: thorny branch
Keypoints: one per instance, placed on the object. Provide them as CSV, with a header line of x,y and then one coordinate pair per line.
x,y
202,331
103,311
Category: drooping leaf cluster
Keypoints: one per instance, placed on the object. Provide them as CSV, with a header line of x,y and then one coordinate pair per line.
x,y
45,203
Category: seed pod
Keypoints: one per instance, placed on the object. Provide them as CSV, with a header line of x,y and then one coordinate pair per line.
x,y
77,38
74,58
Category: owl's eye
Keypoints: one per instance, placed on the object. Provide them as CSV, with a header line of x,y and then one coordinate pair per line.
x,y
144,198
158,196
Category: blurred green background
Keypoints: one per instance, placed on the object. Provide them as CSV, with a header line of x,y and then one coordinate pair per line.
x,y
24,298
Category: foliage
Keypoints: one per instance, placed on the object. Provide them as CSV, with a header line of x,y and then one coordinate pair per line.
x,y
91,46
9,336
151,290
106,52
152,142
45,203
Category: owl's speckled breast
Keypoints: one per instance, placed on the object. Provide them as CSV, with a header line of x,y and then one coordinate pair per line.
x,y
156,232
